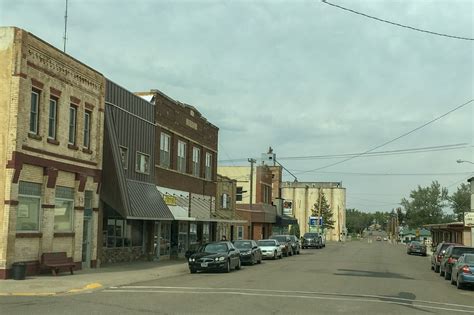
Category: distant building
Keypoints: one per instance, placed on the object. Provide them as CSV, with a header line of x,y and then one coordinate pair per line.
x,y
51,118
300,198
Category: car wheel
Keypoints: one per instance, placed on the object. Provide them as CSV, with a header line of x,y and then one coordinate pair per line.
x,y
274,255
441,272
453,282
260,260
432,268
436,268
447,275
192,270
238,265
290,253
281,256
227,267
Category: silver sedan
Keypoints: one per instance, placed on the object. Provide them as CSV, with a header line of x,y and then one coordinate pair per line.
x,y
270,249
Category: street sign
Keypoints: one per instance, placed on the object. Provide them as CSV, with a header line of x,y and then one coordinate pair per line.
x,y
469,219
313,221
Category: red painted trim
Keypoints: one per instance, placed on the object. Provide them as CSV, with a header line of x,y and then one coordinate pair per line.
x,y
11,202
37,84
101,110
87,151
52,177
89,106
53,141
29,235
65,157
75,100
79,208
55,92
21,75
64,234
45,206
34,136
82,181
72,146
93,263
4,273
95,209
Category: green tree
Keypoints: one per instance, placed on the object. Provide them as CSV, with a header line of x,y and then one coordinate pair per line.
x,y
326,212
357,221
295,230
425,205
460,201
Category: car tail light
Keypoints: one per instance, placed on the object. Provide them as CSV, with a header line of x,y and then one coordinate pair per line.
x,y
466,269
452,260
439,257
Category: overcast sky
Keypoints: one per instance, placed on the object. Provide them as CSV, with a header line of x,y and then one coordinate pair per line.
x,y
301,76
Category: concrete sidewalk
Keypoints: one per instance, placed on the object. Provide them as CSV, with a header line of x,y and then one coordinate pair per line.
x,y
92,279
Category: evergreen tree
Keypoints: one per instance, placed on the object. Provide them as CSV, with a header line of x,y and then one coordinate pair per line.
x,y
326,212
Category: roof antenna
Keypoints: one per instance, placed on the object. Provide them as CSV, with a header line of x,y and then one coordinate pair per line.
x,y
65,28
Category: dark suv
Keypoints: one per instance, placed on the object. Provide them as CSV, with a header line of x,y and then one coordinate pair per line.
x,y
438,255
451,257
312,240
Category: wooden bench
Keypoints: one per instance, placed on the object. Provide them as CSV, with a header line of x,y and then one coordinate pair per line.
x,y
55,261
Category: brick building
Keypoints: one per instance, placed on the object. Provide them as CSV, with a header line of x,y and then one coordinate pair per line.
x,y
258,211
51,113
185,172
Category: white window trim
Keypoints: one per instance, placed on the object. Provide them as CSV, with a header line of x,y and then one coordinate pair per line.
x,y
208,165
33,91
125,164
89,129
196,161
149,166
75,125
165,146
181,156
55,132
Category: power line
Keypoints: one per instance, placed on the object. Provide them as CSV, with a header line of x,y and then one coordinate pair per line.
x,y
396,24
371,154
394,139
388,174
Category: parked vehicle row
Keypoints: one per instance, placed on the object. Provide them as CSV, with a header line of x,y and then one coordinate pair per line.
x,y
225,255
454,262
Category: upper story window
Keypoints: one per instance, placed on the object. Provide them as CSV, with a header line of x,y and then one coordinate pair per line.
x,y
72,124
87,129
124,157
52,118
181,157
142,163
225,201
165,150
196,162
34,111
239,193
208,166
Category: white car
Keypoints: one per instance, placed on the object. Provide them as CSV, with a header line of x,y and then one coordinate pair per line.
x,y
270,249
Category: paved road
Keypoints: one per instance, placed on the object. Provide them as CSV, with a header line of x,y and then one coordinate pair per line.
x,y
355,278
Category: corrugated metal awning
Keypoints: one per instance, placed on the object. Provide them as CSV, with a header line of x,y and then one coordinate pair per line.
x,y
146,202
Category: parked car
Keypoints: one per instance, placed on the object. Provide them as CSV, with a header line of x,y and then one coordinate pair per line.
x,y
416,247
249,251
215,256
463,271
450,258
285,244
270,248
438,254
312,240
295,244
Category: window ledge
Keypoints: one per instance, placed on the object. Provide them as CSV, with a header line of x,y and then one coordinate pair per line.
x,y
64,234
87,151
34,136
72,146
53,141
29,235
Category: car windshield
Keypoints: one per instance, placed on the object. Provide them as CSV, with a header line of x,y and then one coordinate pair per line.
x,y
214,248
279,238
243,244
458,251
266,243
310,235
469,259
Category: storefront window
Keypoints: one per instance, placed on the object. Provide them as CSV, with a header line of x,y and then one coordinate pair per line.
x,y
63,214
192,235
183,238
136,232
240,232
29,206
205,233
165,238
116,233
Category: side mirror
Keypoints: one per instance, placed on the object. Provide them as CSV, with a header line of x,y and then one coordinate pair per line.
x,y
231,250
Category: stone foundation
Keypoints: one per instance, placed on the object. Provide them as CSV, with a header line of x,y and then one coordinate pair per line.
x,y
123,254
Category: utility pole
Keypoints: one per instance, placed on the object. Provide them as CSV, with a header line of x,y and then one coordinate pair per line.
x,y
252,161
65,28
320,220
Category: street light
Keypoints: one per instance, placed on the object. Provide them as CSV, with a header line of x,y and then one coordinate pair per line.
x,y
464,161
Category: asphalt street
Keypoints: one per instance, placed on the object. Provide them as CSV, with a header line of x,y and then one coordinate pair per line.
x,y
355,277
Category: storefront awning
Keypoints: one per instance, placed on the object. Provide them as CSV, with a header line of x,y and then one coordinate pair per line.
x,y
146,202
283,220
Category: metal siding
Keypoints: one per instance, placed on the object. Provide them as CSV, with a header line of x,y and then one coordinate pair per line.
x,y
146,202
